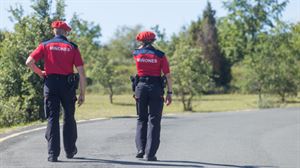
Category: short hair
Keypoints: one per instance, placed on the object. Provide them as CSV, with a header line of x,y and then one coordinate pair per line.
x,y
147,42
59,31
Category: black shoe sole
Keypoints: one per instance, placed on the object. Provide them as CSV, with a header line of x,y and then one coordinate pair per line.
x,y
52,159
139,155
151,159
71,155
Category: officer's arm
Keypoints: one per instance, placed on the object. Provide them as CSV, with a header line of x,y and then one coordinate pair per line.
x,y
169,92
82,83
169,82
31,64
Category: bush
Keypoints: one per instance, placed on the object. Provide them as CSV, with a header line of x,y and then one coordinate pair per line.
x,y
11,112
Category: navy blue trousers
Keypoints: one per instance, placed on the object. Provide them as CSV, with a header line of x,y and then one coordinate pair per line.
x,y
57,93
149,105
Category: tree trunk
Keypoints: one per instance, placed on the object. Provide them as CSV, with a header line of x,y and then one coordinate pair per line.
x,y
183,102
259,97
189,103
111,98
111,94
282,97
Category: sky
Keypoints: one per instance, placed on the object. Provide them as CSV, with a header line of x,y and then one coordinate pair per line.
x,y
170,15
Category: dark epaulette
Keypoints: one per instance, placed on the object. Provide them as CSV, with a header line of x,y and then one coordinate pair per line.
x,y
43,41
73,44
159,53
149,50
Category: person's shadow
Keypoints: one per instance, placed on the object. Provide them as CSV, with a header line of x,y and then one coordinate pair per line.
x,y
163,163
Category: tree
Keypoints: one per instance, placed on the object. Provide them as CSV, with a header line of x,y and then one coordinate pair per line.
x,y
161,43
87,36
274,69
204,34
119,60
191,72
123,43
295,40
21,95
104,72
60,10
243,35
246,20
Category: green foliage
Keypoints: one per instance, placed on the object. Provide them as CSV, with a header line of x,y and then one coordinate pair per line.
x,y
105,73
263,52
160,43
123,43
253,34
191,72
295,40
21,96
60,10
86,35
204,35
273,68
232,41
246,20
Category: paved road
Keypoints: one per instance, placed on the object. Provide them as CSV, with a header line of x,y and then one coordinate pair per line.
x,y
253,139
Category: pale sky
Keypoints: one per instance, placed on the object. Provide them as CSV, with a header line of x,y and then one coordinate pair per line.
x,y
110,14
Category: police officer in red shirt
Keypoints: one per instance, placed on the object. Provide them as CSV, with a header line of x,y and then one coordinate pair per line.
x,y
60,56
149,92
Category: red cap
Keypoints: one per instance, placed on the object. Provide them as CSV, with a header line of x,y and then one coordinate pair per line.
x,y
145,36
61,25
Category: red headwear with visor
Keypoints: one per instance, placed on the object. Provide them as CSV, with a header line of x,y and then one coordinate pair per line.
x,y
61,25
145,36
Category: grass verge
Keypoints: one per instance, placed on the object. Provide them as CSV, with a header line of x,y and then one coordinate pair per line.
x,y
98,106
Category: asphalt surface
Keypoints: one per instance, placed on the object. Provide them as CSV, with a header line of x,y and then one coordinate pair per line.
x,y
251,139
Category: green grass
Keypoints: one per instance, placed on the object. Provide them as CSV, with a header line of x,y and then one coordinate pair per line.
x,y
97,106
15,127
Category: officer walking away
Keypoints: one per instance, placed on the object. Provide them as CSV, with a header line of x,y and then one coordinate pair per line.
x,y
149,94
60,56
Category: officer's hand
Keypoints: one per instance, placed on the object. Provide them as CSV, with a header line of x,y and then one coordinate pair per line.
x,y
168,99
81,98
42,74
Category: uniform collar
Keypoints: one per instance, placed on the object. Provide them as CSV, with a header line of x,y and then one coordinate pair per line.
x,y
61,37
150,47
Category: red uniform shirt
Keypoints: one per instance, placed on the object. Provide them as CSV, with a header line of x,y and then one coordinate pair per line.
x,y
59,56
150,62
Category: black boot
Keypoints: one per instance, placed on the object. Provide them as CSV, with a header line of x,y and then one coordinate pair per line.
x,y
152,158
71,155
140,154
52,159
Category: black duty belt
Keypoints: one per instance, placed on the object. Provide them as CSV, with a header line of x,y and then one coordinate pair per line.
x,y
150,79
57,76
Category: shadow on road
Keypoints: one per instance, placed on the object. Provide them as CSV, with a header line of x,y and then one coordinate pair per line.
x,y
133,163
160,163
215,164
164,117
